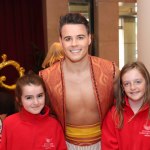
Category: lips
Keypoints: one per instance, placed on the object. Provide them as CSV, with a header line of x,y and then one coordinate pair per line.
x,y
75,51
134,93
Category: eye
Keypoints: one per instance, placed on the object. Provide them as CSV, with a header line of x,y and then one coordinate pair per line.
x,y
80,37
126,84
67,39
40,95
138,81
28,97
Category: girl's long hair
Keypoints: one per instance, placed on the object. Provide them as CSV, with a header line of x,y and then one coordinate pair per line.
x,y
120,94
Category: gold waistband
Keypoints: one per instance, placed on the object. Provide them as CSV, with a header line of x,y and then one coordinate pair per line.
x,y
83,135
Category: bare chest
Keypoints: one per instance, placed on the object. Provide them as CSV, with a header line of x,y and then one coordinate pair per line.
x,y
79,93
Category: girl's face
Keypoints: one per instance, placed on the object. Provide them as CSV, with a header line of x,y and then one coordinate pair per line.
x,y
134,85
33,98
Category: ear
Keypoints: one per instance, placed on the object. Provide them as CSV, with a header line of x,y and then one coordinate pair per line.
x,y
90,39
60,40
17,100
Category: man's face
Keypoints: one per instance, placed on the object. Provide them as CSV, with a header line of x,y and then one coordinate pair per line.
x,y
75,41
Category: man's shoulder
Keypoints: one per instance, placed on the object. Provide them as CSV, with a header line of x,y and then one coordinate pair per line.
x,y
101,62
51,74
95,58
106,66
54,68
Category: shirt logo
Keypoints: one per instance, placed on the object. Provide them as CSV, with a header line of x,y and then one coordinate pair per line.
x,y
48,144
145,131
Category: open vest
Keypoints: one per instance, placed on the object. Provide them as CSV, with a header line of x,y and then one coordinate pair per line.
x,y
102,73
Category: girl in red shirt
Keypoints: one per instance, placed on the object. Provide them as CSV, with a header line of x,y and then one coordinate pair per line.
x,y
127,124
32,128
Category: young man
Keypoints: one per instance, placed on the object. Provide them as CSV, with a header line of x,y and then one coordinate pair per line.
x,y
80,86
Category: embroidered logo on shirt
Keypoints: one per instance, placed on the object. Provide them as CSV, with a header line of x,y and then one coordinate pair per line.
x,y
145,131
48,144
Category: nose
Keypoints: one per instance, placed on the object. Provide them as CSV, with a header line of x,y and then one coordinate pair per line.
x,y
132,86
35,101
74,42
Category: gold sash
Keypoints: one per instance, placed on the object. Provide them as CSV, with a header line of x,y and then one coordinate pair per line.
x,y
83,135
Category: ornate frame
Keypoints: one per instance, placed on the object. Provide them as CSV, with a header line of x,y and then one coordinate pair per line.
x,y
13,63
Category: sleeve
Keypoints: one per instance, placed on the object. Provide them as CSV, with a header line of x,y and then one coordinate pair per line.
x,y
109,139
60,139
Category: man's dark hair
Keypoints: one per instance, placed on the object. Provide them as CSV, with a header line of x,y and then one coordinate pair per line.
x,y
73,18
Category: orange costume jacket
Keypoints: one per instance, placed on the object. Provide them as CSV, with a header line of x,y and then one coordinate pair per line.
x,y
102,72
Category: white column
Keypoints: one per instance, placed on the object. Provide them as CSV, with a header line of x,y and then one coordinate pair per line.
x,y
143,31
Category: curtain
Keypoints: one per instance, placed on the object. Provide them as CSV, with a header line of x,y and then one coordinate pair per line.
x,y
21,35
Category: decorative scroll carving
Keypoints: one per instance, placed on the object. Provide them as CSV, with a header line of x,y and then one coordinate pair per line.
x,y
6,63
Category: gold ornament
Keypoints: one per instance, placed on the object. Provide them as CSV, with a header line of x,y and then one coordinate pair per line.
x,y
13,63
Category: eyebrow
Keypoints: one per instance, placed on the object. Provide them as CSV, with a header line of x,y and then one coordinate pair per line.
x,y
66,37
76,35
132,80
28,95
81,35
41,93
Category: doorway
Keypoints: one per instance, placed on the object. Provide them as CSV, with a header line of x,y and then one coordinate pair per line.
x,y
127,33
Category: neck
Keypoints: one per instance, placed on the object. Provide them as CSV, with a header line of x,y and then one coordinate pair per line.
x,y
79,66
135,105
